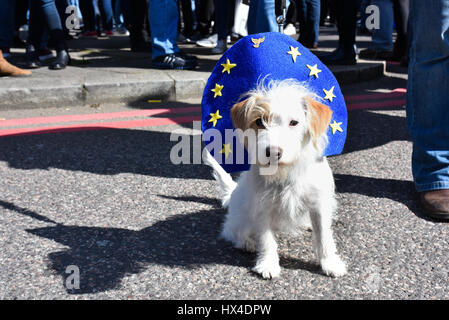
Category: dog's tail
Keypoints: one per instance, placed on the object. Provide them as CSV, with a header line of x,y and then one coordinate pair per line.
x,y
224,179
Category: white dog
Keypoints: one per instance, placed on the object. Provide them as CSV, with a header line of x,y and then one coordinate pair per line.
x,y
290,127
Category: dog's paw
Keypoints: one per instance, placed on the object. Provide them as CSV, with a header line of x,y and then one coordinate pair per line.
x,y
333,266
268,269
248,245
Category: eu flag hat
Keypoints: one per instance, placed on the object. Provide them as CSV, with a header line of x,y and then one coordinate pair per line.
x,y
268,56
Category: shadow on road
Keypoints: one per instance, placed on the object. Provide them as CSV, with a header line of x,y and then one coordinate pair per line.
x,y
105,255
114,151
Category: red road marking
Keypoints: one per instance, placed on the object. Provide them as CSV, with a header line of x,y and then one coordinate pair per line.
x,y
95,116
376,105
396,93
100,126
399,92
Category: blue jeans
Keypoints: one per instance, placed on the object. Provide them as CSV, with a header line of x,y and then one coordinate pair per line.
x,y
427,98
163,16
7,23
43,13
107,15
382,39
309,21
261,16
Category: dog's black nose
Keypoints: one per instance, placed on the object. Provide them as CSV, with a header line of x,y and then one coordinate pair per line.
x,y
273,152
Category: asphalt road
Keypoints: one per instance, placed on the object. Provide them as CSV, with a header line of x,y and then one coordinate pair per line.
x,y
110,203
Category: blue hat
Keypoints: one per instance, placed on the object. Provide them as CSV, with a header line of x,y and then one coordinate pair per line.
x,y
273,56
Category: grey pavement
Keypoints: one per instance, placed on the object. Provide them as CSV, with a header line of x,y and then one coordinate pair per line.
x,y
112,204
106,71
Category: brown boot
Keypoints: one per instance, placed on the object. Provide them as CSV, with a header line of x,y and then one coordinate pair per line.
x,y
7,69
435,203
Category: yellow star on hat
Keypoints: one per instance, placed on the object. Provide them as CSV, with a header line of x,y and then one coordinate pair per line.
x,y
313,70
215,117
217,90
336,127
329,94
294,53
226,150
228,66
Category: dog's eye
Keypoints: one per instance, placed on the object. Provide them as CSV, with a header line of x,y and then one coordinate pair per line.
x,y
293,123
259,123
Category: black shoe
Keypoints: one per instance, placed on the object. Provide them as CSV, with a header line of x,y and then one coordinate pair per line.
x,y
173,61
375,54
32,58
186,56
340,57
61,61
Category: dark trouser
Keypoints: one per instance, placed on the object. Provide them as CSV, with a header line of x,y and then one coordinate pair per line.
x,y
205,16
88,12
44,13
346,14
309,21
136,13
292,12
223,17
187,16
20,17
401,10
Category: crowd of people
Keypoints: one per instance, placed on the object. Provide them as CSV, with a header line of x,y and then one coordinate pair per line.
x,y
158,27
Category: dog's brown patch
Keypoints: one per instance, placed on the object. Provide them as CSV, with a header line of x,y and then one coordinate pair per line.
x,y
246,113
320,118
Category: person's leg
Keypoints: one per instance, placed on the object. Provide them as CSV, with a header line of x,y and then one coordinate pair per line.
x,y
346,14
302,18
163,16
205,13
222,18
261,17
348,23
138,10
313,22
187,14
107,15
88,13
20,16
54,24
7,23
382,39
401,10
292,16
427,103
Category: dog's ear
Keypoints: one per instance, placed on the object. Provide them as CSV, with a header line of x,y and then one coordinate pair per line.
x,y
239,114
320,117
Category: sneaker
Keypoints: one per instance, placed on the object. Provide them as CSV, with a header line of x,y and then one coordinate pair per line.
x,y
109,32
45,54
220,48
209,42
290,29
173,61
122,30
